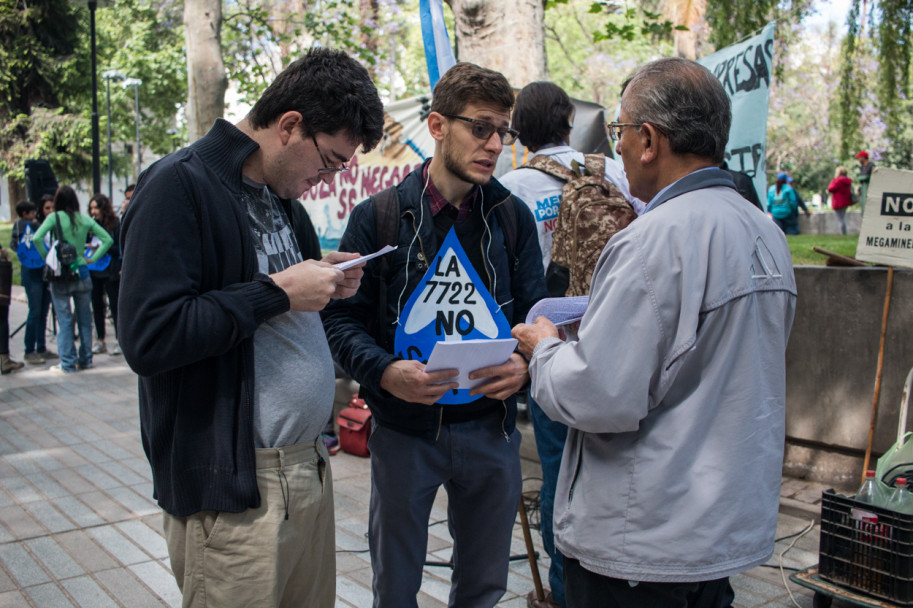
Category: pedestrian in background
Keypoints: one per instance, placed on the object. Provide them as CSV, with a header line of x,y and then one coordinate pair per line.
x,y
841,195
106,274
74,228
31,275
783,205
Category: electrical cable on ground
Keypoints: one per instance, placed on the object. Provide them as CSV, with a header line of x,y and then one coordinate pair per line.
x,y
809,528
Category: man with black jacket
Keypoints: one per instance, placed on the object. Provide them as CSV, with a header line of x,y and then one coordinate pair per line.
x,y
468,266
219,318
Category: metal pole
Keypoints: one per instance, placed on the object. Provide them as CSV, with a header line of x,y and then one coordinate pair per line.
x,y
110,168
135,82
139,155
96,161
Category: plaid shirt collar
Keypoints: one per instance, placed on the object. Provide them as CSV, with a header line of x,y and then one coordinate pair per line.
x,y
439,204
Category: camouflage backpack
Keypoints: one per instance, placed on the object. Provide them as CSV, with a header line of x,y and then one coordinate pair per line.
x,y
591,211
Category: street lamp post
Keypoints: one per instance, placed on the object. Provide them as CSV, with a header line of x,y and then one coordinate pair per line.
x,y
108,76
135,82
96,161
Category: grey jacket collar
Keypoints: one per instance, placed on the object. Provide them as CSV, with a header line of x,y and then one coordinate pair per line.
x,y
709,177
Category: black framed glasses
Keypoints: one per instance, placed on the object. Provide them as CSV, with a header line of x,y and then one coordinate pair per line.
x,y
614,128
483,129
328,169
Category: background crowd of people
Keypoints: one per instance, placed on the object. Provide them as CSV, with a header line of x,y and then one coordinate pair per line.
x,y
90,285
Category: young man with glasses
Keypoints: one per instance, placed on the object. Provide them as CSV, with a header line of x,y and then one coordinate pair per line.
x,y
219,318
468,266
676,385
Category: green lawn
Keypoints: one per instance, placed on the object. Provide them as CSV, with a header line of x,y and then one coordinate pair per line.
x,y
800,247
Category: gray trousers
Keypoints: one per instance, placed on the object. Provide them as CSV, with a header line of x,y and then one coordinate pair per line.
x,y
480,470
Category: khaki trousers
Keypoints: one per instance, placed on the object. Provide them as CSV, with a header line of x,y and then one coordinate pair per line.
x,y
282,554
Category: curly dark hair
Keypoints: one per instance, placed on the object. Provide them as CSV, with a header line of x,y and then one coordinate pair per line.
x,y
333,92
106,209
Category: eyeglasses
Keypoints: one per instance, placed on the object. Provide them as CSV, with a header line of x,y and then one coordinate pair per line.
x,y
328,169
484,130
614,128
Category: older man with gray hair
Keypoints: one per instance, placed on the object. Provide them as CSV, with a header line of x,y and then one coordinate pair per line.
x,y
674,391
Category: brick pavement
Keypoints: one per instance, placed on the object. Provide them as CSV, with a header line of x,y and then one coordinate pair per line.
x,y
78,526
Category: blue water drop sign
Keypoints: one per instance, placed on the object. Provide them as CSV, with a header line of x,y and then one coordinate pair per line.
x,y
450,303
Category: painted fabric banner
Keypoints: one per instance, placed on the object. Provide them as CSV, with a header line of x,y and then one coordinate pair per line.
x,y
745,71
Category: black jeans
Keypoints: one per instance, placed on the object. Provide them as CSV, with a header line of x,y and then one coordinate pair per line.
x,y
585,589
101,287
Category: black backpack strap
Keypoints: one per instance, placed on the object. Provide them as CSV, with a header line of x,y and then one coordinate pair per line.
x,y
507,217
386,230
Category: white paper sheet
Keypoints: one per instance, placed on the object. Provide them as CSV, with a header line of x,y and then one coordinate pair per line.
x,y
468,356
351,263
560,311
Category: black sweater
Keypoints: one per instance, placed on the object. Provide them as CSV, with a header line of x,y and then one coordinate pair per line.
x,y
191,298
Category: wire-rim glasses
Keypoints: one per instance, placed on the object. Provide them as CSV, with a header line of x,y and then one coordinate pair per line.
x,y
614,128
328,169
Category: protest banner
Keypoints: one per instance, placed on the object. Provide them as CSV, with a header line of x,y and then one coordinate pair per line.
x,y
745,69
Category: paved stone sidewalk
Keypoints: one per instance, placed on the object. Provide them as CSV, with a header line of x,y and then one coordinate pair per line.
x,y
78,526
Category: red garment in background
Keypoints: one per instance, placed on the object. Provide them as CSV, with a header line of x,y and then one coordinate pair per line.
x,y
840,191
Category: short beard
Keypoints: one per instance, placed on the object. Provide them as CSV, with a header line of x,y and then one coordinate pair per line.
x,y
452,165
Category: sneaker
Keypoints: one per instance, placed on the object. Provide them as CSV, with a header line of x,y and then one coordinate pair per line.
x,y
34,358
48,354
58,369
117,350
332,443
85,365
99,348
7,365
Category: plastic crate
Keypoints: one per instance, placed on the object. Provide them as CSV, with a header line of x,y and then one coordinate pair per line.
x,y
866,548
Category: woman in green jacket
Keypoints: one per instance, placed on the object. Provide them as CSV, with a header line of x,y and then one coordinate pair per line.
x,y
75,227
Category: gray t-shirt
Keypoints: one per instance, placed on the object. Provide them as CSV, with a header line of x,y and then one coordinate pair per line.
x,y
294,376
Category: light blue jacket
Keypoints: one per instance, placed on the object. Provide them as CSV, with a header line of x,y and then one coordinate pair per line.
x,y
675,392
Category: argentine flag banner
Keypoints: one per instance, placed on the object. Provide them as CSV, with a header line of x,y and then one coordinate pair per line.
x,y
450,303
438,52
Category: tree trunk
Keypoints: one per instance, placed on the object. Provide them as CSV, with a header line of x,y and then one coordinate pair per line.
x,y
16,194
206,78
503,35
689,13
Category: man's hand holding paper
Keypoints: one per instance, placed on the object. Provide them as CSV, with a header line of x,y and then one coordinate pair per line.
x,y
505,379
409,381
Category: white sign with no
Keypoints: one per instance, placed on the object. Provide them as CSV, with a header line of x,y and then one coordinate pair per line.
x,y
886,236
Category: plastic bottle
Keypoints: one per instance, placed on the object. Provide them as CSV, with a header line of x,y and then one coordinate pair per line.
x,y
867,493
901,499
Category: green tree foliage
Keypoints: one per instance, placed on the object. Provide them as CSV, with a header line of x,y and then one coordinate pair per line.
x,y
142,39
40,68
46,103
259,38
875,79
587,62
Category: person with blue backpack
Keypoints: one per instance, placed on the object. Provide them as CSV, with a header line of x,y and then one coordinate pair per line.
x,y
32,279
